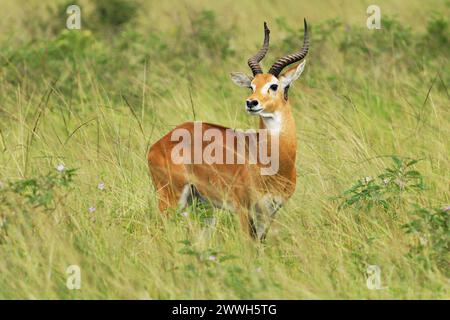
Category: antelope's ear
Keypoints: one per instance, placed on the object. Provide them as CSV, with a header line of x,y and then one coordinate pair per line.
x,y
241,79
292,74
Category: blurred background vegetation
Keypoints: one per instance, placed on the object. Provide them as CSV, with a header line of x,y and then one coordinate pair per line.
x,y
371,103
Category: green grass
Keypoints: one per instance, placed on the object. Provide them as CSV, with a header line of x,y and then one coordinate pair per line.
x,y
96,99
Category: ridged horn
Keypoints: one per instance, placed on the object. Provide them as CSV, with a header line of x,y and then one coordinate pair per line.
x,y
281,63
253,62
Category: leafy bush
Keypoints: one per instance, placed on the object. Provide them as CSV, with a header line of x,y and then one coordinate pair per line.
x,y
394,39
55,59
436,41
29,196
113,14
386,189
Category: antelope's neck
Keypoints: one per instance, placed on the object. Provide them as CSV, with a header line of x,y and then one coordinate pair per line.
x,y
282,124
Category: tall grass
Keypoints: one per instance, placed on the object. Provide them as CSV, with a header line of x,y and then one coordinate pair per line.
x,y
369,103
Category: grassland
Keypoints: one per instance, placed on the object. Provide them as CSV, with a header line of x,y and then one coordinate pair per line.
x,y
94,100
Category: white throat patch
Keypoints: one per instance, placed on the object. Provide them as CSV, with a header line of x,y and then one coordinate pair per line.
x,y
272,121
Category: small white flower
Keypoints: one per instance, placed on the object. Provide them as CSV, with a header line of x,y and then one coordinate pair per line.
x,y
101,186
446,208
185,214
386,181
423,240
91,209
212,258
60,167
367,179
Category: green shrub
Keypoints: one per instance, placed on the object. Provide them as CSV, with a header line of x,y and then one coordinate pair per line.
x,y
436,41
113,14
386,190
394,39
29,196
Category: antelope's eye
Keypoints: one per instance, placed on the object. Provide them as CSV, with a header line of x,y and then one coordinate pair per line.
x,y
274,87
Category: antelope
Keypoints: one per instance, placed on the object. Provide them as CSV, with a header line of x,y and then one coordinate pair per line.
x,y
238,187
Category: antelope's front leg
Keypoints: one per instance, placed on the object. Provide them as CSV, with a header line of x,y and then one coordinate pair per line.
x,y
265,212
247,222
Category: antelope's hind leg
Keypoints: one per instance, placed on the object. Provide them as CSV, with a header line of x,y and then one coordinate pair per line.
x,y
175,195
168,197
169,180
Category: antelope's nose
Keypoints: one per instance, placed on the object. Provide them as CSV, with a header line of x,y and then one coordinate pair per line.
x,y
252,103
